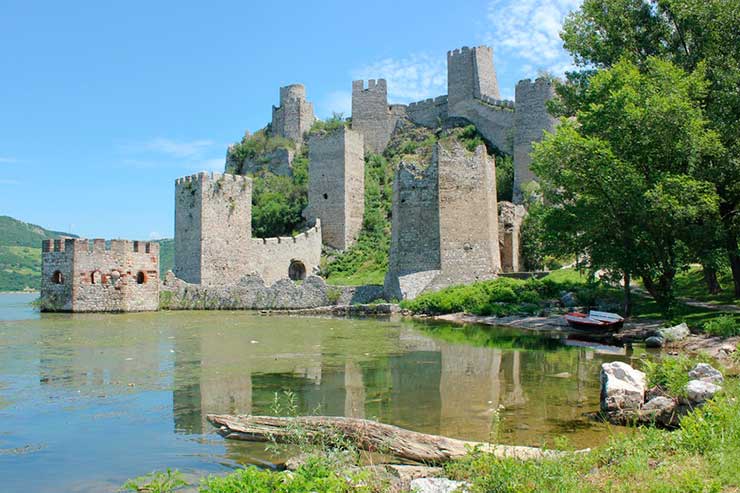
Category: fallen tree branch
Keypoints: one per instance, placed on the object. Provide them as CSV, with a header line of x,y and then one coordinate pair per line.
x,y
366,435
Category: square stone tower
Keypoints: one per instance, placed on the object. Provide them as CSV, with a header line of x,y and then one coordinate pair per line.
x,y
445,222
336,185
294,117
471,75
371,114
213,227
531,120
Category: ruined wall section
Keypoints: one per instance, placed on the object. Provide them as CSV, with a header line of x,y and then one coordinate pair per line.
x,y
371,114
510,219
531,119
271,258
213,227
123,277
336,185
430,112
470,75
494,121
294,117
444,222
213,236
469,248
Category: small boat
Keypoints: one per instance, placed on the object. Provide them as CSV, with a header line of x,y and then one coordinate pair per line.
x,y
595,321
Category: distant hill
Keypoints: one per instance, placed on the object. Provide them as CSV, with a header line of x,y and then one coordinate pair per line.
x,y
20,253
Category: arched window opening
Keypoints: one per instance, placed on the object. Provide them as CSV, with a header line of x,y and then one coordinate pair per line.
x,y
114,277
297,271
57,277
141,277
326,196
96,277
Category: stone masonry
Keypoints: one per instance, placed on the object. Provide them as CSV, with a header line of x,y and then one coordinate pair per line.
x,y
371,114
436,241
531,119
82,276
213,235
336,186
294,117
510,218
472,95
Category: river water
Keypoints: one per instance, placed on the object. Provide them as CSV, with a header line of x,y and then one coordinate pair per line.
x,y
88,401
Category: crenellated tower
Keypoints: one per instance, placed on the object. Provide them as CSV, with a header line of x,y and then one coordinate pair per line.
x,y
371,115
471,75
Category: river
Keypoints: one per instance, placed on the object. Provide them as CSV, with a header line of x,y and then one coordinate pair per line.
x,y
88,401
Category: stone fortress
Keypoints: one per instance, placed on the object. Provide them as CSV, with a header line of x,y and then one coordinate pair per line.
x,y
447,227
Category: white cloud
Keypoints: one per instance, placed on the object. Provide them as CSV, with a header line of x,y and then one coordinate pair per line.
x,y
9,182
529,30
155,235
8,160
413,78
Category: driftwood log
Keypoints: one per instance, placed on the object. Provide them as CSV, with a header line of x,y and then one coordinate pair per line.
x,y
366,435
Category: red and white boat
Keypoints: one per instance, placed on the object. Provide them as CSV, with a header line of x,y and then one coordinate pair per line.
x,y
595,321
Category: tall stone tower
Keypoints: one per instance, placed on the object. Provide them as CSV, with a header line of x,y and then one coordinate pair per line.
x,y
470,75
294,117
213,227
445,222
371,115
531,119
336,185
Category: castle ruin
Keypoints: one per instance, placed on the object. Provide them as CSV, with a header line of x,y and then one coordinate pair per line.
x,y
82,276
436,241
294,117
213,235
447,227
336,185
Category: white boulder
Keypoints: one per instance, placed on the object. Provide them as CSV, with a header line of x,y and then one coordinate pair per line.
x,y
622,387
676,333
699,391
437,485
707,373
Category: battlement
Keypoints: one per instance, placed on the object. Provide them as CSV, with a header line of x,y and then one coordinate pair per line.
x,y
466,51
294,116
207,176
470,74
98,245
373,85
429,102
498,103
310,233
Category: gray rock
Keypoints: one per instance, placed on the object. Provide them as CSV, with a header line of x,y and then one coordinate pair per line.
x,y
707,373
660,404
654,342
568,299
699,391
676,333
622,387
437,485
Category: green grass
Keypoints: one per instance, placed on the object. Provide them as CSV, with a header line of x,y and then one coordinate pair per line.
x,y
361,278
690,284
723,326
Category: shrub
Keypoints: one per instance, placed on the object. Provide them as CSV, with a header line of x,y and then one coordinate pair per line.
x,y
724,326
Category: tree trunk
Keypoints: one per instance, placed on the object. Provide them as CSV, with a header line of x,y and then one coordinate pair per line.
x,y
365,435
735,267
710,278
733,253
627,295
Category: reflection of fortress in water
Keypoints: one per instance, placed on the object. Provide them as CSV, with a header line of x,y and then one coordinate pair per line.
x,y
407,377
430,385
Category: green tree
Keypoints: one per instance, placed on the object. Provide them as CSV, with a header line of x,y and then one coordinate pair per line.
x,y
620,177
691,34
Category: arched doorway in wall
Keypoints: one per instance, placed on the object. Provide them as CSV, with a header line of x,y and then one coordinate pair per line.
x,y
96,277
57,277
141,277
297,270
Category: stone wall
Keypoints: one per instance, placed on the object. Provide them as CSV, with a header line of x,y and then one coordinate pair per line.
x,y
431,112
294,117
495,123
470,74
80,276
278,162
531,119
444,222
251,293
336,185
213,235
510,218
371,115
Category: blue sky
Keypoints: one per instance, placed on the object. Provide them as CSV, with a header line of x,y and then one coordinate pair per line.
x,y
103,104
